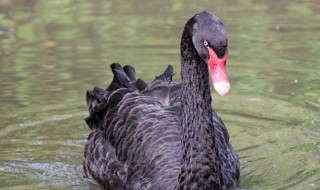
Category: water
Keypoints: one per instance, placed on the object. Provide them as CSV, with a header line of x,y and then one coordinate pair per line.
x,y
51,52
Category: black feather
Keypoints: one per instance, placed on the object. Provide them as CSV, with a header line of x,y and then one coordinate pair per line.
x,y
131,73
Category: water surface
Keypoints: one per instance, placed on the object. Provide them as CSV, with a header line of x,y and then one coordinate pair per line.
x,y
51,52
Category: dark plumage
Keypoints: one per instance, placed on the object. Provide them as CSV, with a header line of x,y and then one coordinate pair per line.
x,y
164,135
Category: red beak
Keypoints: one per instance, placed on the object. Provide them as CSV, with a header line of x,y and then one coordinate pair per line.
x,y
218,72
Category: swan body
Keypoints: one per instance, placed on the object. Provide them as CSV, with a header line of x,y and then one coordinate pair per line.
x,y
164,135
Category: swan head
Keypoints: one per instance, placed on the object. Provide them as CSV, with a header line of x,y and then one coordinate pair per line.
x,y
210,40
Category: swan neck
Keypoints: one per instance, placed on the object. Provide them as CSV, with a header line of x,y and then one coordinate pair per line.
x,y
199,162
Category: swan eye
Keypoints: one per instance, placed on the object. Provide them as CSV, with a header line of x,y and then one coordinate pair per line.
x,y
205,43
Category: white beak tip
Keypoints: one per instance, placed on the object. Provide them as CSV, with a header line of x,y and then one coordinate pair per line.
x,y
222,88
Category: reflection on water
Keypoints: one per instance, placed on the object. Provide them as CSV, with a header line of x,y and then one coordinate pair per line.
x,y
52,51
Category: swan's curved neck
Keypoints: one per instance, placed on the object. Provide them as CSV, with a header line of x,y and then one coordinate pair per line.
x,y
199,162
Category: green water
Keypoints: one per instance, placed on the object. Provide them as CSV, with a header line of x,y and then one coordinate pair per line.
x,y
51,52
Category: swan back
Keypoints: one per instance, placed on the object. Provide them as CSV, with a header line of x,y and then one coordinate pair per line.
x,y
136,133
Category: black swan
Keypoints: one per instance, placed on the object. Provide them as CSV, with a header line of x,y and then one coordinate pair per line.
x,y
165,135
